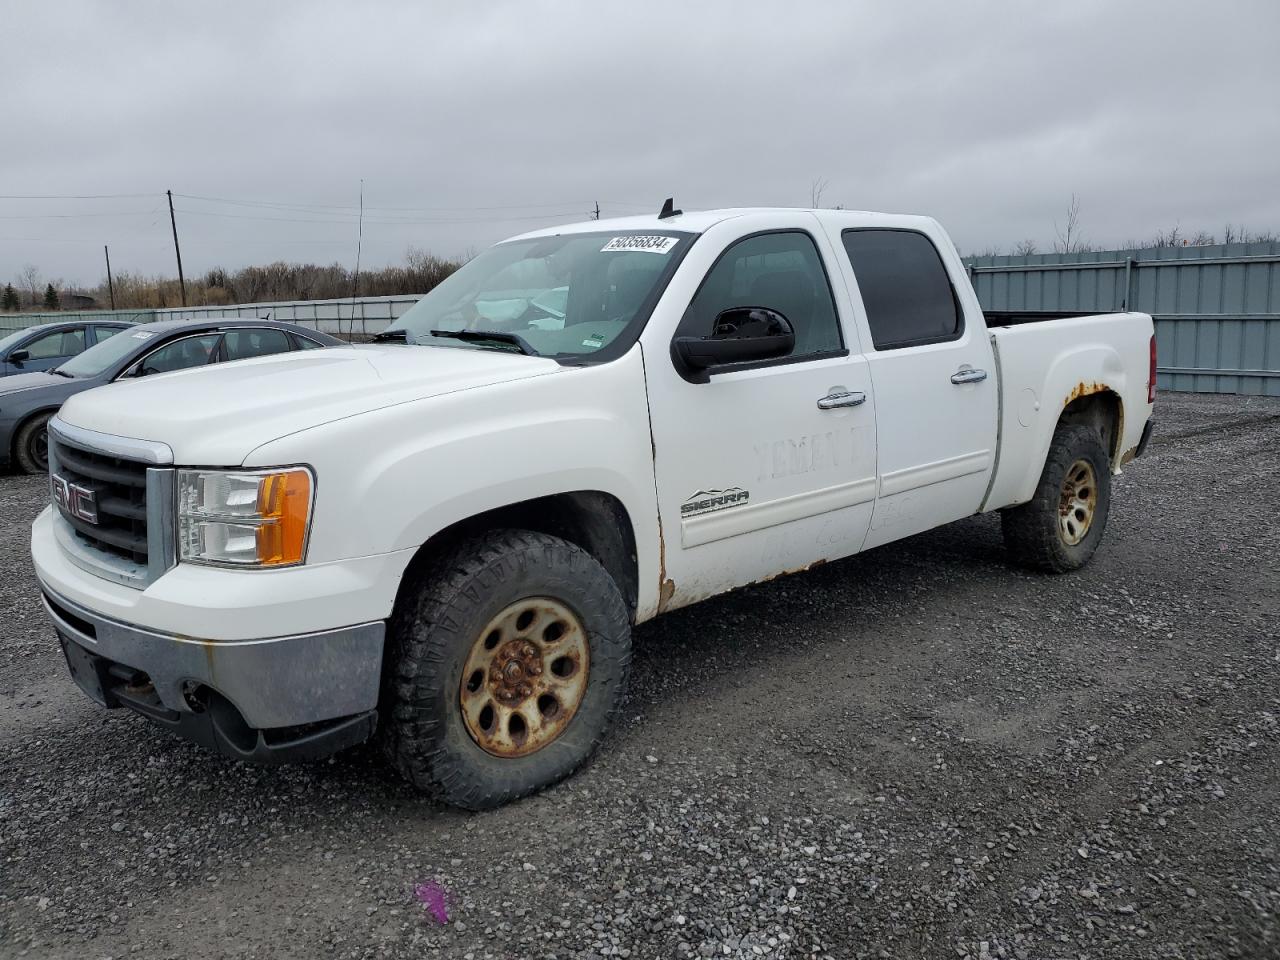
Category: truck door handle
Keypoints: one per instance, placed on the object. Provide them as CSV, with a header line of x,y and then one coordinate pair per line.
x,y
842,398
968,375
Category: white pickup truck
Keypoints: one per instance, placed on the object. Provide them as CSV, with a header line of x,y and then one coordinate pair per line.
x,y
447,536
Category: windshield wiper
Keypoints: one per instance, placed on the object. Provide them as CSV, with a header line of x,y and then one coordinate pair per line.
x,y
60,373
391,336
489,336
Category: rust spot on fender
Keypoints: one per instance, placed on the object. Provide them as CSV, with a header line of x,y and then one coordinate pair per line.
x,y
1083,389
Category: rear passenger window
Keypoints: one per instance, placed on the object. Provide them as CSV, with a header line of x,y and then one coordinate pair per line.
x,y
242,344
905,288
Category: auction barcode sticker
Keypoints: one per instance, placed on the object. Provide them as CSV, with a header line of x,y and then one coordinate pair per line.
x,y
642,244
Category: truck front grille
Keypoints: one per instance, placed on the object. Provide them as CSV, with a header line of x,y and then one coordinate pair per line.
x,y
120,492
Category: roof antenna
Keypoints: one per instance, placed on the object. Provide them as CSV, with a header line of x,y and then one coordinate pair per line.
x,y
668,210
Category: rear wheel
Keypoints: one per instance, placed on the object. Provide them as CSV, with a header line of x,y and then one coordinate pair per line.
x,y
506,664
31,447
1060,527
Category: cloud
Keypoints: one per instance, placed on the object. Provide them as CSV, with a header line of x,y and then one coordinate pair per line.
x,y
488,119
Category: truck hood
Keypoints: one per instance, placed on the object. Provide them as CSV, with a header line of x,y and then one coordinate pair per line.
x,y
218,415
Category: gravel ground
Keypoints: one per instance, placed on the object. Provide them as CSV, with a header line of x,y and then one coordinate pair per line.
x,y
918,752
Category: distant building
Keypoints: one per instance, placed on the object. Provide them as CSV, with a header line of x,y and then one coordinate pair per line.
x,y
77,301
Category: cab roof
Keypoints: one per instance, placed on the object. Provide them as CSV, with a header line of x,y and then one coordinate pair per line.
x,y
695,221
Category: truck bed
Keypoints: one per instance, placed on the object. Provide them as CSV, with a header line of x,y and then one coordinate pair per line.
x,y
1043,367
1013,318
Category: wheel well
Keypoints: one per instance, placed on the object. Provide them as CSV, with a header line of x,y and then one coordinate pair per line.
x,y
597,522
17,428
1103,410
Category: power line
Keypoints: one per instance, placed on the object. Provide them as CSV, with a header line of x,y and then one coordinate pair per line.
x,y
352,221
80,196
335,207
72,216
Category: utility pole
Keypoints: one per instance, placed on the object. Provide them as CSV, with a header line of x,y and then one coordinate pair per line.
x,y
110,286
597,216
182,283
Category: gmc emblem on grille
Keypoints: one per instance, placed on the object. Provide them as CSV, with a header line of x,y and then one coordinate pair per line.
x,y
79,502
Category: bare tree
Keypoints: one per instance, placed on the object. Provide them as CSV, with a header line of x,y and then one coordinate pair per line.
x,y
29,280
1070,240
815,192
1025,248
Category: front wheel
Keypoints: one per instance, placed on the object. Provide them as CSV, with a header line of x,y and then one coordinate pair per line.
x,y
31,447
1060,527
506,664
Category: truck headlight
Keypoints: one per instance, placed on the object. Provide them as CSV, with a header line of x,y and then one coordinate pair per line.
x,y
244,518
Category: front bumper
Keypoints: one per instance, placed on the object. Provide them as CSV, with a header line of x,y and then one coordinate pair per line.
x,y
280,699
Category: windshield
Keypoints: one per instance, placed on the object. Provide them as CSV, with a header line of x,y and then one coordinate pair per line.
x,y
102,357
566,296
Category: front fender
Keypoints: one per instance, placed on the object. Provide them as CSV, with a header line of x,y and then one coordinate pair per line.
x,y
391,479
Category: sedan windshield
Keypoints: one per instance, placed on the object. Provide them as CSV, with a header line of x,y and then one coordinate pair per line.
x,y
105,355
562,296
11,339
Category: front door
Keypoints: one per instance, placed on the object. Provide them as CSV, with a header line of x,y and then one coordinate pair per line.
x,y
771,467
934,377
47,350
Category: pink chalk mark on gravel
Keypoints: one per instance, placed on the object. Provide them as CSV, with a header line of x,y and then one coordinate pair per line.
x,y
435,898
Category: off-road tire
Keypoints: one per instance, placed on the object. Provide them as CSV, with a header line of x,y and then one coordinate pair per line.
x,y
431,633
1032,533
26,452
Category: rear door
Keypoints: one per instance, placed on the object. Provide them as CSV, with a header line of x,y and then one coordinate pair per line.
x,y
241,343
934,376
105,331
754,476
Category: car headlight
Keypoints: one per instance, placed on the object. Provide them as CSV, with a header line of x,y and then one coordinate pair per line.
x,y
244,518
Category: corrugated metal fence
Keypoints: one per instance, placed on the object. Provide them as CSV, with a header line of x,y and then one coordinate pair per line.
x,y
1216,309
366,315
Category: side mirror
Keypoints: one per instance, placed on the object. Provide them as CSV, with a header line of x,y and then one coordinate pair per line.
x,y
19,356
740,335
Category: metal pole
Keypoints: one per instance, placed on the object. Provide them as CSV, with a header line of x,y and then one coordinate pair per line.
x,y
182,283
110,286
1128,287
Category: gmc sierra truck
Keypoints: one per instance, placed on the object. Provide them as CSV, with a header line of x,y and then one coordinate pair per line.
x,y
445,538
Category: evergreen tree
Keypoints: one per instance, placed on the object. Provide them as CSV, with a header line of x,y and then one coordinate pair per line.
x,y
9,301
50,298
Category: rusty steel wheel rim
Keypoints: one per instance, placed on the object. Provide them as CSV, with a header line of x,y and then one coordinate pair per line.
x,y
1078,502
525,677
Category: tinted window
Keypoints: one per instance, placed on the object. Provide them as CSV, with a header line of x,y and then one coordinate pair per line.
x,y
905,288
242,344
305,344
781,271
181,354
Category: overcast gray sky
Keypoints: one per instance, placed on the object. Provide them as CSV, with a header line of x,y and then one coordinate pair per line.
x,y
472,121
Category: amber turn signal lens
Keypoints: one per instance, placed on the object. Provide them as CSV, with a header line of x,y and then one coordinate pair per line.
x,y
284,503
